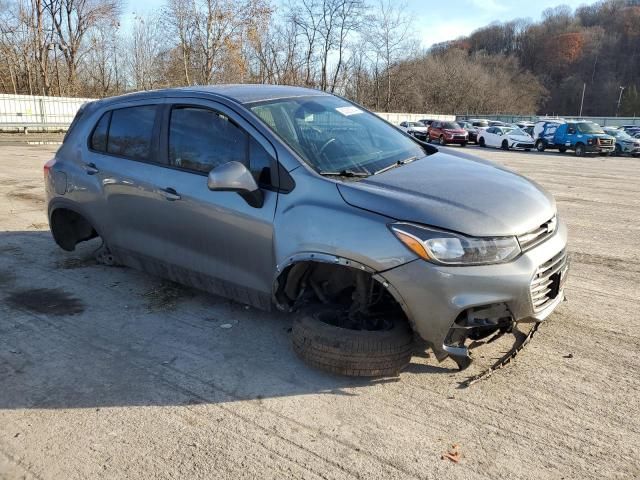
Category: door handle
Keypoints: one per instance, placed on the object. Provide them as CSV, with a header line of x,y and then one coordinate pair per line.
x,y
170,194
91,168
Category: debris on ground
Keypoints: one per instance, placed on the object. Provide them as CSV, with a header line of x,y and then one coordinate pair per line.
x,y
453,454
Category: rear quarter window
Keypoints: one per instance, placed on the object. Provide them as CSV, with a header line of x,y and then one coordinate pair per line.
x,y
98,140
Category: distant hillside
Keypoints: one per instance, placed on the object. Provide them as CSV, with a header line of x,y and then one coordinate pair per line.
x,y
597,45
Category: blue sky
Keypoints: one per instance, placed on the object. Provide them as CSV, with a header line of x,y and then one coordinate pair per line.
x,y
434,21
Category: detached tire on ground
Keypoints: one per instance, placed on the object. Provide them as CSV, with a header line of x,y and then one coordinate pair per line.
x,y
352,352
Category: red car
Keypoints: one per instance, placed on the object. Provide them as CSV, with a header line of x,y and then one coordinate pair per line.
x,y
448,132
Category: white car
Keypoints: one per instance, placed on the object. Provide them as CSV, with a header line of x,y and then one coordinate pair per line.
x,y
505,138
417,129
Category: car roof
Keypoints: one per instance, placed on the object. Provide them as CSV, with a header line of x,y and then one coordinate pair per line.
x,y
240,93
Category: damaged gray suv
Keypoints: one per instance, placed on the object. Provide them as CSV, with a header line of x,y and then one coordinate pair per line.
x,y
296,199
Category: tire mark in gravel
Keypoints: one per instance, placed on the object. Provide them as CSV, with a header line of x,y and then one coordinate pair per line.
x,y
19,462
214,403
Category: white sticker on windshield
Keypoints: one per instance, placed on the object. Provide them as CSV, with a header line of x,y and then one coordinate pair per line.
x,y
347,111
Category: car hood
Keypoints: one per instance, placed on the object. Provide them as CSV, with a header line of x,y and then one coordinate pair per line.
x,y
454,192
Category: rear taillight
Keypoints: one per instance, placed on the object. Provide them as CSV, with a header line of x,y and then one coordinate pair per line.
x,y
48,166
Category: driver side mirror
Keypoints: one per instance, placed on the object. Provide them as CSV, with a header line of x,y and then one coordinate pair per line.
x,y
235,177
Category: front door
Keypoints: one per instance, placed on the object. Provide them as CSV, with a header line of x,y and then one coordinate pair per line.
x,y
215,240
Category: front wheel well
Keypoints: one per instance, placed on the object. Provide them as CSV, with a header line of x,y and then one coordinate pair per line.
x,y
70,228
359,294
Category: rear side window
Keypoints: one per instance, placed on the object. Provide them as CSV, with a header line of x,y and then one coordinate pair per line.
x,y
130,132
100,132
200,139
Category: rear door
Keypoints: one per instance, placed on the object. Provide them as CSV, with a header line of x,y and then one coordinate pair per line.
x,y
126,162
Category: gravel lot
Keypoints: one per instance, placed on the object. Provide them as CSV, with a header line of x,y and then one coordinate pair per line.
x,y
112,373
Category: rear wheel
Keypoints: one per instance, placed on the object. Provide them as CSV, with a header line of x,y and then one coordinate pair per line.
x,y
481,142
351,352
540,145
443,142
580,150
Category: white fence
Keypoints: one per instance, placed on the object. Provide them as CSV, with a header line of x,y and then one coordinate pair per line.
x,y
37,113
18,112
396,118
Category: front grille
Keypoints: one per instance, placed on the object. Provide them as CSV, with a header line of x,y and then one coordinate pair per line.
x,y
548,281
538,235
460,137
605,142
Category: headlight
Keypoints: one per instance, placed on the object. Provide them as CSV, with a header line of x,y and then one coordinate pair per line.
x,y
449,248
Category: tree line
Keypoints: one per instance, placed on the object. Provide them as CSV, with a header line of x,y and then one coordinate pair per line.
x,y
366,50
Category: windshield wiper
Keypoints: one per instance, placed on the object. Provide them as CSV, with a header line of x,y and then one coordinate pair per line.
x,y
345,173
396,164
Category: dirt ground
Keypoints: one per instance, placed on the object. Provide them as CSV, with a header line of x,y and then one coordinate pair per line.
x,y
110,373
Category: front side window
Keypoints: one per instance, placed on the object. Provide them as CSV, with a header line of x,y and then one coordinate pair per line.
x,y
130,132
333,135
201,139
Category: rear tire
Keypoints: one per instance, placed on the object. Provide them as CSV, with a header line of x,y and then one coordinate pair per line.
x,y
351,352
443,142
540,145
580,150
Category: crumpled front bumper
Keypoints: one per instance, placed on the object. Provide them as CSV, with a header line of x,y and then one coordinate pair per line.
x,y
434,296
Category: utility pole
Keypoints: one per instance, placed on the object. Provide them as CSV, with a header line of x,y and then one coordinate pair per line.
x,y
619,100
584,87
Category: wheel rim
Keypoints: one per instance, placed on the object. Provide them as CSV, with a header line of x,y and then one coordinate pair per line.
x,y
442,142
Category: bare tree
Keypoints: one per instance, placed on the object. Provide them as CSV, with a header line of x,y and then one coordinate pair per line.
x,y
71,20
389,32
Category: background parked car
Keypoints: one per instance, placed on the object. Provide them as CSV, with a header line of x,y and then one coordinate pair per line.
x,y
417,129
471,130
625,143
505,138
496,123
448,132
479,123
426,122
583,137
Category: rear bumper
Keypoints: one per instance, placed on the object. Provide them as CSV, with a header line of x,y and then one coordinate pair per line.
x,y
435,296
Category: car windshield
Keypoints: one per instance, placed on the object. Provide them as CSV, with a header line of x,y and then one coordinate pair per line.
x,y
451,126
588,127
334,136
622,135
